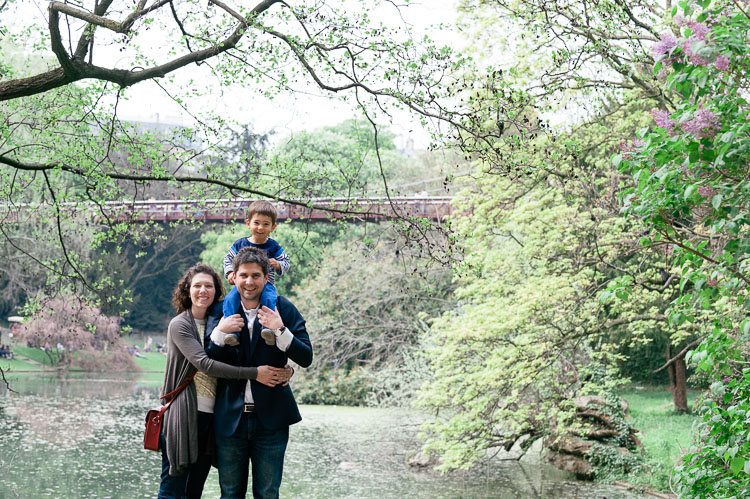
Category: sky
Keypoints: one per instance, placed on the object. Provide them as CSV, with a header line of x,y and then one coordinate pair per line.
x,y
284,115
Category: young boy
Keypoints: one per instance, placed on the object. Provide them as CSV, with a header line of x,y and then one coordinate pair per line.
x,y
261,220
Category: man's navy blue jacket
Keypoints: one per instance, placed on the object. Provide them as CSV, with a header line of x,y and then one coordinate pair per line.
x,y
275,407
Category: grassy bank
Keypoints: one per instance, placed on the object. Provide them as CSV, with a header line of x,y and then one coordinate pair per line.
x,y
34,359
664,433
37,355
19,365
153,362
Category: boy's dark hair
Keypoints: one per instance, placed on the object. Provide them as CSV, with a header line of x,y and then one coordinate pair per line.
x,y
251,254
262,207
181,296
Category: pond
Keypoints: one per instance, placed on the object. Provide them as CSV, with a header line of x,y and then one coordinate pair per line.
x,y
82,437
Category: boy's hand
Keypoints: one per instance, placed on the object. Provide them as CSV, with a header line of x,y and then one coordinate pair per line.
x,y
230,277
275,264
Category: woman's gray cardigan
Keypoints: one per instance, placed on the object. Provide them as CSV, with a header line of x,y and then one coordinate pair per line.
x,y
185,355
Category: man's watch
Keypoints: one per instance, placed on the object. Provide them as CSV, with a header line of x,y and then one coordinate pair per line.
x,y
280,331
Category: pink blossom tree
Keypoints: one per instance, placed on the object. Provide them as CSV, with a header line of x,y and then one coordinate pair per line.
x,y
75,334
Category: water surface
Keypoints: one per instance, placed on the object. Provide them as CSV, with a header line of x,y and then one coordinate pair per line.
x,y
82,437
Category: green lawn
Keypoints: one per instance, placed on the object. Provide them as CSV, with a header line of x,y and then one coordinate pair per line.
x,y
154,362
664,433
34,354
18,364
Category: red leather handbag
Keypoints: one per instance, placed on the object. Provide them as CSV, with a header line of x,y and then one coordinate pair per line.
x,y
154,417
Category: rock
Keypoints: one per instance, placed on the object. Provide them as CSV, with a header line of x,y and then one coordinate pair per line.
x,y
518,444
347,465
585,401
422,460
572,464
571,445
516,451
535,453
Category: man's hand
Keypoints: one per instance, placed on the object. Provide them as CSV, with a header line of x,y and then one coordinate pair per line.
x,y
269,318
230,277
275,264
272,376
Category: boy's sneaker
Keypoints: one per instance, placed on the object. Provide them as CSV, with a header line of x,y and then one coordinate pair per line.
x,y
268,336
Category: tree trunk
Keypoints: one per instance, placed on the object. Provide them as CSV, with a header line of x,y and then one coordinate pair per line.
x,y
679,393
670,369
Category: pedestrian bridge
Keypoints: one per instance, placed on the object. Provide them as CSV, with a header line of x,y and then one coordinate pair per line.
x,y
229,210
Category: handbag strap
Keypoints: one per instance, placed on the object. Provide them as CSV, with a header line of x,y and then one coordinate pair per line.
x,y
177,390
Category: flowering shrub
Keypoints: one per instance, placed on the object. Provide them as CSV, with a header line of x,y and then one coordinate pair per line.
x,y
75,335
693,191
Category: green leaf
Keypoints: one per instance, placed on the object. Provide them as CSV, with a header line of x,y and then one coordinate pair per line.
x,y
716,201
737,464
616,160
702,80
690,191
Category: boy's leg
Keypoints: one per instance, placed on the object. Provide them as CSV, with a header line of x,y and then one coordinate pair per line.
x,y
268,299
231,302
269,296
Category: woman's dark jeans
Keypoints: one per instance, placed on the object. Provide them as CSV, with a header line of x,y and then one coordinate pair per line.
x,y
189,485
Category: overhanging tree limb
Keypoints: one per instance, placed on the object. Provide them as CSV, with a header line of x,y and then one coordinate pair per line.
x,y
41,167
680,355
71,70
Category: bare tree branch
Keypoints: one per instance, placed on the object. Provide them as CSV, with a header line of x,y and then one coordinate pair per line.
x,y
680,355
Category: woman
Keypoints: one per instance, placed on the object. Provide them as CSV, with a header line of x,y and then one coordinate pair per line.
x,y
188,424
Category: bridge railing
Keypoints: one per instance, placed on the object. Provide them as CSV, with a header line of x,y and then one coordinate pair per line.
x,y
226,210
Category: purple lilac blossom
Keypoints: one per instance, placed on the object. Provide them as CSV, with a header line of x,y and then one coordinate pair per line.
x,y
706,191
628,147
667,43
695,59
721,63
663,120
699,30
703,125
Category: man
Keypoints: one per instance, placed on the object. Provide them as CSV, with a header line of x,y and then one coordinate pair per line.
x,y
252,418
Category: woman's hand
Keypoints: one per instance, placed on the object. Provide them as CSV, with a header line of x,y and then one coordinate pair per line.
x,y
272,376
231,324
269,318
289,371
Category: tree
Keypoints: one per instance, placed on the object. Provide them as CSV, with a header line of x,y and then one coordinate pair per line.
x,y
75,335
548,233
339,161
531,332
65,150
370,302
691,191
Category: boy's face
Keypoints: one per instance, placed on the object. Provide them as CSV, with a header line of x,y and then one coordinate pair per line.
x,y
260,227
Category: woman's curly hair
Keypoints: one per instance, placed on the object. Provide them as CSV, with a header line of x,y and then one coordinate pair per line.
x,y
181,296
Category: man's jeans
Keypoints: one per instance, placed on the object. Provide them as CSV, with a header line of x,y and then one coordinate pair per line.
x,y
251,443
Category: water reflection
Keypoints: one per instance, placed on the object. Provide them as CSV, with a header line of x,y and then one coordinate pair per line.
x,y
82,437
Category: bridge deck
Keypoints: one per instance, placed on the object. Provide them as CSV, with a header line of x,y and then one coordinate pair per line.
x,y
227,210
